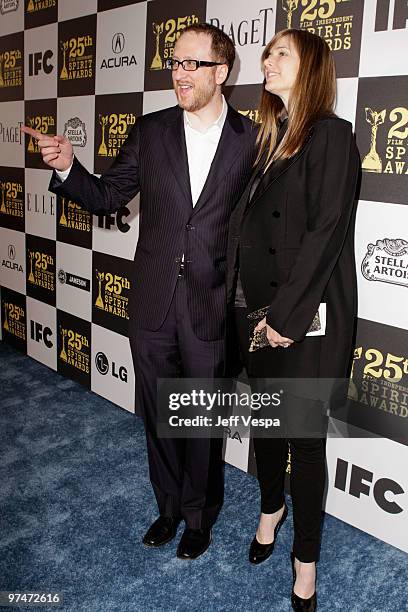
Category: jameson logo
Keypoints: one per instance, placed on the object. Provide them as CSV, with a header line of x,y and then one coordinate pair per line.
x,y
11,203
379,380
322,17
74,349
391,126
14,320
41,123
75,131
40,5
165,35
76,62
41,273
74,217
8,6
114,131
252,114
11,68
73,280
110,297
387,261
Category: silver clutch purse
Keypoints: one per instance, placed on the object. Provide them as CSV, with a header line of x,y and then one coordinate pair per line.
x,y
259,339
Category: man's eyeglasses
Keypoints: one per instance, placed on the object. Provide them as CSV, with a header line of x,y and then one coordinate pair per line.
x,y
189,64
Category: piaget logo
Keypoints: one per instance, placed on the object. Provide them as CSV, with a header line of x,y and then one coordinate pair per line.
x,y
114,131
74,349
11,199
41,123
321,17
11,68
381,380
8,6
395,161
14,320
387,261
166,34
40,5
74,217
110,296
76,64
40,274
75,131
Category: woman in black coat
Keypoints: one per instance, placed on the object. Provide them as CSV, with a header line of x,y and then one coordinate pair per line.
x,y
291,248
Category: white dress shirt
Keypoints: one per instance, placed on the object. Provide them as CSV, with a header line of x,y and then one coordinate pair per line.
x,y
201,148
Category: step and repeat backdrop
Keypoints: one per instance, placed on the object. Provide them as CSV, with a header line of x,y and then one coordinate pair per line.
x,y
88,69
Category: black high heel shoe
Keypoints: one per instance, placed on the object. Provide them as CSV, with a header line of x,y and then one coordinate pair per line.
x,y
298,603
260,552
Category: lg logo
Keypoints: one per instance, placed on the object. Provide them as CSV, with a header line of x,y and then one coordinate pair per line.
x,y
40,61
362,482
40,333
107,221
102,365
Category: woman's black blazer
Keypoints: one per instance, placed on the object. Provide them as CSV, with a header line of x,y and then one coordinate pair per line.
x,y
295,241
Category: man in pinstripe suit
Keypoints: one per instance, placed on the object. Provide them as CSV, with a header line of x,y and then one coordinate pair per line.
x,y
190,164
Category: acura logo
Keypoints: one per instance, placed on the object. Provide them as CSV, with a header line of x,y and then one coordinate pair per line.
x,y
118,42
12,252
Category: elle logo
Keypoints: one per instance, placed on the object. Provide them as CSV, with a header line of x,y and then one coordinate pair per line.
x,y
362,482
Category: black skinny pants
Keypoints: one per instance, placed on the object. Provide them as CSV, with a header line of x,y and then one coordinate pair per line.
x,y
308,471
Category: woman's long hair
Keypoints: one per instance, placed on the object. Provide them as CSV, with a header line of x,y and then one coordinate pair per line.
x,y
313,96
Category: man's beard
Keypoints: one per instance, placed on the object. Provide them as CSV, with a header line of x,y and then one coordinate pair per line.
x,y
202,95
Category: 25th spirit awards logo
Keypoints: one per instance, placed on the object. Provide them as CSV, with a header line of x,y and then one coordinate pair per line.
x,y
74,349
114,131
8,6
166,34
11,199
41,123
41,271
393,124
77,63
387,261
34,6
11,68
72,216
14,322
111,298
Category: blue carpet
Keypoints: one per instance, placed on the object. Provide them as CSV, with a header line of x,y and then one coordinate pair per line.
x,y
75,500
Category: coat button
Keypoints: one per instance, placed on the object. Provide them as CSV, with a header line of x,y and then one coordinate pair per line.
x,y
276,214
272,251
177,259
189,227
273,284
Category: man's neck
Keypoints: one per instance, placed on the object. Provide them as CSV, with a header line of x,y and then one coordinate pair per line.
x,y
202,119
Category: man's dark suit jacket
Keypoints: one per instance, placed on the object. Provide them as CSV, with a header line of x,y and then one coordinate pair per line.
x,y
154,161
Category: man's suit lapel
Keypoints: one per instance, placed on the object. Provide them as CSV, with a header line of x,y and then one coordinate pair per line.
x,y
227,151
174,142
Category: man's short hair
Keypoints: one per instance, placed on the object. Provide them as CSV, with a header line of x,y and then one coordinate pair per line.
x,y
222,46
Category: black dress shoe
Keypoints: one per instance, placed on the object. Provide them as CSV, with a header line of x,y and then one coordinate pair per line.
x,y
161,531
260,552
298,603
193,543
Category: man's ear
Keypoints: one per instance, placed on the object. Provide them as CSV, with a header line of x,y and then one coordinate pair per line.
x,y
221,74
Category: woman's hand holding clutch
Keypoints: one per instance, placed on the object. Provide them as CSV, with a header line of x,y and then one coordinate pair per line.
x,y
274,338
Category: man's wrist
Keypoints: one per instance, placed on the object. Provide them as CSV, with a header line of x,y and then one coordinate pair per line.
x,y
63,174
